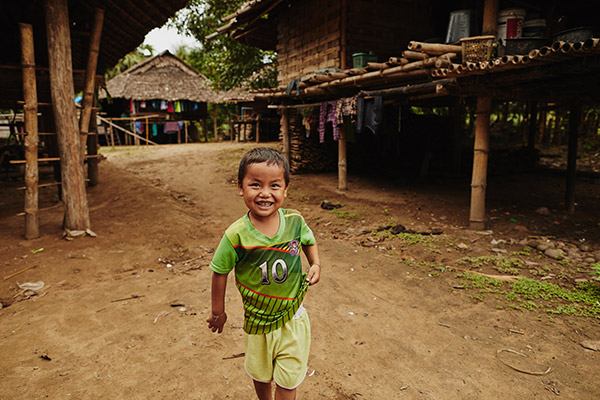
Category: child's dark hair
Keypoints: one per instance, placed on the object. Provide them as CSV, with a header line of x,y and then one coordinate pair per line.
x,y
264,154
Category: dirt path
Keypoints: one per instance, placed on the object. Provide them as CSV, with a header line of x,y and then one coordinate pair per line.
x,y
122,315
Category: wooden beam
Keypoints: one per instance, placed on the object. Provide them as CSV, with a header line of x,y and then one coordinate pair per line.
x,y
63,104
32,229
92,148
490,17
480,161
90,73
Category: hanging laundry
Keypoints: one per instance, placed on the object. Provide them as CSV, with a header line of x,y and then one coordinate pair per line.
x,y
154,130
170,107
164,105
327,114
369,114
177,106
171,126
131,106
143,104
139,127
346,107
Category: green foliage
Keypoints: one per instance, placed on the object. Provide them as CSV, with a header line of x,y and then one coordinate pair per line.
x,y
345,214
222,59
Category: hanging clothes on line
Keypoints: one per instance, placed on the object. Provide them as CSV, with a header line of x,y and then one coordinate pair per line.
x,y
327,114
346,107
171,127
369,114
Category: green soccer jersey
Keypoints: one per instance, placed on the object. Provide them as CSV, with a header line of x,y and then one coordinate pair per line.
x,y
268,271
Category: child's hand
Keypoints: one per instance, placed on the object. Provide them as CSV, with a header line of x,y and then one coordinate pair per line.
x,y
314,274
216,322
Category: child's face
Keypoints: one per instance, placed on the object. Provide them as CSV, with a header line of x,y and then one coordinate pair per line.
x,y
263,189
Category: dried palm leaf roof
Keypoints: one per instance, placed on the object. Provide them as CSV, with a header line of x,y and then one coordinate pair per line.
x,y
164,77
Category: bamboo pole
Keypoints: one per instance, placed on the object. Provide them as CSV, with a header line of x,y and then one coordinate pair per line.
x,y
63,104
434,48
285,130
480,159
574,124
490,17
90,74
93,148
342,160
32,229
414,55
112,124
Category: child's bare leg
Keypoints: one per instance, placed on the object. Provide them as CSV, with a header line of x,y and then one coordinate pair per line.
x,y
284,394
263,390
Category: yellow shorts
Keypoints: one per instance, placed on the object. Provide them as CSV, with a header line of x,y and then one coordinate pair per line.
x,y
280,355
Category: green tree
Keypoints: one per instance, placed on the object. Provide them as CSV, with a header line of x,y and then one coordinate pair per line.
x,y
226,62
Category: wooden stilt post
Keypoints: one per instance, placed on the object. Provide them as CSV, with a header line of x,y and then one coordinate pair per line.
x,y
258,129
90,74
63,104
147,133
482,133
342,160
480,159
231,129
285,131
185,127
215,122
92,145
574,124
32,229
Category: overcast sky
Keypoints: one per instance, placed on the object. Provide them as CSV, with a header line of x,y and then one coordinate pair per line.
x,y
167,39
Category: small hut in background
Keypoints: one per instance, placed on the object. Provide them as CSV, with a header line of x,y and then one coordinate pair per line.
x,y
156,101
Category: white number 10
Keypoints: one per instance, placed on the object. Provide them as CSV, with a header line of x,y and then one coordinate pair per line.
x,y
274,273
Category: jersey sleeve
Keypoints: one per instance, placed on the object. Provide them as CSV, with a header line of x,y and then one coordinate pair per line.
x,y
308,238
225,257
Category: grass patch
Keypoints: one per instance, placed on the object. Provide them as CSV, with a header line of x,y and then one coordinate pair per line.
x,y
528,294
500,264
345,214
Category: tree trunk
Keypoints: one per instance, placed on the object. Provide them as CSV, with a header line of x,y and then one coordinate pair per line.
x,y
32,229
63,105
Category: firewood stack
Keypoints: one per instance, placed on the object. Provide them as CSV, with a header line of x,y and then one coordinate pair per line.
x,y
307,154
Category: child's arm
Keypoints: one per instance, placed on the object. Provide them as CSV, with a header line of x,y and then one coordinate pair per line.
x,y
218,317
312,254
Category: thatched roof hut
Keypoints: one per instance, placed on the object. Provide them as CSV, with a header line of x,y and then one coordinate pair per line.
x,y
164,77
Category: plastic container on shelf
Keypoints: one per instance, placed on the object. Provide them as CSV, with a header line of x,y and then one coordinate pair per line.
x,y
510,23
462,23
534,28
360,60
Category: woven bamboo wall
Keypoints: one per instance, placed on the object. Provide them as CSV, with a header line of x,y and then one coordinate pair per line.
x,y
308,39
386,26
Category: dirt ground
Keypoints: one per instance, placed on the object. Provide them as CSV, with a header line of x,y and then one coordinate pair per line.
x,y
122,315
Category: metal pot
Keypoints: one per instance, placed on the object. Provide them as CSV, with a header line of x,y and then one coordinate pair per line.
x,y
580,34
523,45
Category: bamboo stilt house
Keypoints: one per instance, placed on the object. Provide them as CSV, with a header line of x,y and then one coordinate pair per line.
x,y
395,55
52,49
